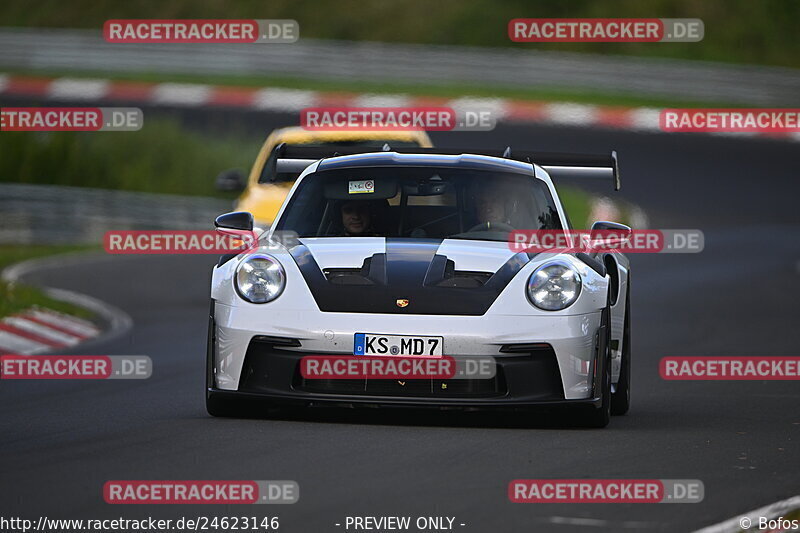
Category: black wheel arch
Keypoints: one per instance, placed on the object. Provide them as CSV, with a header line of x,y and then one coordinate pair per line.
x,y
612,268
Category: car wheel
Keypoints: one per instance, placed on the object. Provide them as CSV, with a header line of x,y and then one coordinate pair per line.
x,y
621,397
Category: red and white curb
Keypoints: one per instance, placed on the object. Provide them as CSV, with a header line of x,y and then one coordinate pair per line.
x,y
642,119
38,330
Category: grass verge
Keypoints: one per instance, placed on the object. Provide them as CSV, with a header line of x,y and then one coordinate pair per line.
x,y
18,297
738,31
162,157
577,204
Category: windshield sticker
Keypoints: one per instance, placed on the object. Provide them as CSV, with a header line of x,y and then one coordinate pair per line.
x,y
361,186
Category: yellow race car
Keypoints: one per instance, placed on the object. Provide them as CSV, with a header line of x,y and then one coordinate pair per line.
x,y
262,195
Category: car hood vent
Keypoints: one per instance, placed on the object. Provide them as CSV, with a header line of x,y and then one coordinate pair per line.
x,y
408,269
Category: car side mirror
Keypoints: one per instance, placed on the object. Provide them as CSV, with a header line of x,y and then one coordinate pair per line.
x,y
606,234
230,180
238,220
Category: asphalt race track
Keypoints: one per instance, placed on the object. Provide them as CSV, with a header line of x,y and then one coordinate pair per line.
x,y
63,440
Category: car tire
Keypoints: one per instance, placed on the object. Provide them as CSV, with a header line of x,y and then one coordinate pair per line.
x,y
621,397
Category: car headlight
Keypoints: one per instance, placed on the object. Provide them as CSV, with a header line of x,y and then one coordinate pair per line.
x,y
260,278
554,286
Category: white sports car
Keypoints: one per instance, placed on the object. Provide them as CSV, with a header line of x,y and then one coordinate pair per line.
x,y
393,249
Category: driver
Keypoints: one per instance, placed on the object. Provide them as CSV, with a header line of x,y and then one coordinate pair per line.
x,y
490,209
357,219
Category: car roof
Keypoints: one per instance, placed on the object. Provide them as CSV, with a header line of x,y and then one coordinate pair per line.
x,y
465,161
299,135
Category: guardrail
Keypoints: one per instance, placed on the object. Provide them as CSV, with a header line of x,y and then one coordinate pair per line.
x,y
69,49
49,214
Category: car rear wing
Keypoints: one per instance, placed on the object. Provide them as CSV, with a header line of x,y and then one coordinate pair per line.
x,y
287,162
294,159
589,166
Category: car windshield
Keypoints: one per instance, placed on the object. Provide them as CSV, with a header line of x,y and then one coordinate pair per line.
x,y
418,202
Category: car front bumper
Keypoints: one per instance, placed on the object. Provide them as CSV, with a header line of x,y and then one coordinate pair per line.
x,y
540,360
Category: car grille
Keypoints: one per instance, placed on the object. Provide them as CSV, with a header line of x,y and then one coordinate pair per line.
x,y
452,388
529,371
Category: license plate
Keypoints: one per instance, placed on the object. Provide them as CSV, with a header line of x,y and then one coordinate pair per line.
x,y
398,345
